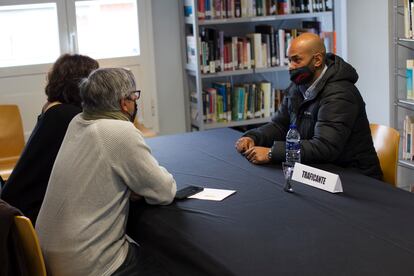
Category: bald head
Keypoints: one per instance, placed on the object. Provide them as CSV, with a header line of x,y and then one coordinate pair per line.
x,y
309,43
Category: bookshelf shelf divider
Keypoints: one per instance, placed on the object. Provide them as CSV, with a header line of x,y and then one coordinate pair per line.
x,y
403,104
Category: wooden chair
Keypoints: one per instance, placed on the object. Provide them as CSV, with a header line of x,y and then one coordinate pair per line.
x,y
386,141
11,138
30,244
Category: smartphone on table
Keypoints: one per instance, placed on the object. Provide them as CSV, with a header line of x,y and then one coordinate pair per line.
x,y
187,191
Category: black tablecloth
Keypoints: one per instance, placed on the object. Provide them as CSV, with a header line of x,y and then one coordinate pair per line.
x,y
262,230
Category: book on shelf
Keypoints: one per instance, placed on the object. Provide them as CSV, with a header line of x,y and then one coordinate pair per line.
x,y
272,7
265,88
201,9
257,49
211,100
329,39
237,8
312,26
283,7
188,8
408,18
194,113
268,33
209,52
191,50
221,9
409,73
281,34
322,5
238,97
209,9
408,141
225,111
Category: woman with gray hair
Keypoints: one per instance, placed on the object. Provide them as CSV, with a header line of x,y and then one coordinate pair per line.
x,y
103,158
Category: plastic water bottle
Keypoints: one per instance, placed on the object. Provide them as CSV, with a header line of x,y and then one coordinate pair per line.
x,y
292,145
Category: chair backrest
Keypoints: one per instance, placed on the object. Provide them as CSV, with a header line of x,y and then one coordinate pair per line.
x,y
386,141
11,131
31,247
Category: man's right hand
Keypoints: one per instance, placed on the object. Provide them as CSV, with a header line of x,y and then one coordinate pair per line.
x,y
244,144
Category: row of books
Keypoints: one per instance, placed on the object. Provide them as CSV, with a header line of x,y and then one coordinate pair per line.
x,y
264,48
408,138
410,79
408,18
218,9
224,102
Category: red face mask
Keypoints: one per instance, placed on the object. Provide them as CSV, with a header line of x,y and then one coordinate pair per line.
x,y
302,75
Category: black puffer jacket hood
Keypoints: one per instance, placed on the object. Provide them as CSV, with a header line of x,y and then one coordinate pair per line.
x,y
340,70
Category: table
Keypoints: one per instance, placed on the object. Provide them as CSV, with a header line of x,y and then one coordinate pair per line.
x,y
262,230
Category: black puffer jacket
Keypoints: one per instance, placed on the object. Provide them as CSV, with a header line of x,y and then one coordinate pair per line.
x,y
333,124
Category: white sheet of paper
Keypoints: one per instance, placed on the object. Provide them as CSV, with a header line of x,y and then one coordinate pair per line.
x,y
213,194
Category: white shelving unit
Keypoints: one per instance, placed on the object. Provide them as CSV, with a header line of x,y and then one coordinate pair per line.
x,y
403,50
195,80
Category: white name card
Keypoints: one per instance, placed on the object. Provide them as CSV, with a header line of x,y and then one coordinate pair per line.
x,y
317,178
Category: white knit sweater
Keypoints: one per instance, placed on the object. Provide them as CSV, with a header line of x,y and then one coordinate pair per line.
x,y
81,224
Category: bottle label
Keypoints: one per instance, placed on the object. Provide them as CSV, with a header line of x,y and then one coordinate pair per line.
x,y
292,146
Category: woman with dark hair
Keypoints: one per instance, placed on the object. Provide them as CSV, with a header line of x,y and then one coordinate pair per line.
x,y
26,186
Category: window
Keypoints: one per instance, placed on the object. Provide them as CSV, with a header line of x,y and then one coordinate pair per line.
x,y
45,29
107,28
37,33
28,34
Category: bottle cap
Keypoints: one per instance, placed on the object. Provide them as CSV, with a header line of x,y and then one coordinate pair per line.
x,y
292,126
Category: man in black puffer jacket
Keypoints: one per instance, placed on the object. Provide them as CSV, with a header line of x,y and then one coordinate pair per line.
x,y
327,109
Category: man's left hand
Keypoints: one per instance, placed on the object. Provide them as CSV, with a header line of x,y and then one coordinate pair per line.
x,y
257,155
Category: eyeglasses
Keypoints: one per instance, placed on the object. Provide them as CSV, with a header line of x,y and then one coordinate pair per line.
x,y
134,95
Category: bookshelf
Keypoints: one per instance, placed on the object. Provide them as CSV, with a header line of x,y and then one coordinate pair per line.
x,y
403,102
219,49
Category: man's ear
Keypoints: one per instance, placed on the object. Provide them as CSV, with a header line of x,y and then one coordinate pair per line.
x,y
123,105
318,60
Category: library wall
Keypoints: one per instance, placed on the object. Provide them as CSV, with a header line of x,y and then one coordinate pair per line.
x,y
27,91
168,67
368,32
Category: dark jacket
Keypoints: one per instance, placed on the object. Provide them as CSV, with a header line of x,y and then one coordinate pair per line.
x,y
26,186
333,124
12,261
